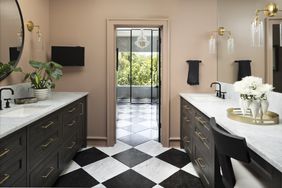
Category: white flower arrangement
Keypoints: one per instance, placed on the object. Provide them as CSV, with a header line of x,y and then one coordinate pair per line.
x,y
252,88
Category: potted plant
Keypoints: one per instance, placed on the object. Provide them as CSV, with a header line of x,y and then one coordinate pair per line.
x,y
43,76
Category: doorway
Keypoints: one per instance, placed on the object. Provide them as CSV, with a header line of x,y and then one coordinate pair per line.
x,y
138,91
164,117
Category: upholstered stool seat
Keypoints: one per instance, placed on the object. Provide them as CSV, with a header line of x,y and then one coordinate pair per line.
x,y
246,176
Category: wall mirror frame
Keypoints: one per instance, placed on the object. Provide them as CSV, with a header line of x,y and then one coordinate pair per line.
x,y
237,16
12,36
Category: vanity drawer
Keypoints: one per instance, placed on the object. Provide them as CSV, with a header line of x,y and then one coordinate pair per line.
x,y
68,150
43,129
203,123
11,145
13,170
71,126
203,138
187,108
44,148
202,166
46,173
71,111
187,134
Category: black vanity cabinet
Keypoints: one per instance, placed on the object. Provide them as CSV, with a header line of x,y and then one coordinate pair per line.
x,y
38,153
13,159
197,141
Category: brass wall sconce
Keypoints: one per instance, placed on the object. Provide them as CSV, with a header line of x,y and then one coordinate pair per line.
x,y
221,31
30,27
270,10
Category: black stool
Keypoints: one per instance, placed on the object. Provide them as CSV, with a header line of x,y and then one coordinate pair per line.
x,y
234,173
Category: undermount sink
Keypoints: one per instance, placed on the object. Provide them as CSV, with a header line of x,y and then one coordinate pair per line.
x,y
207,98
23,111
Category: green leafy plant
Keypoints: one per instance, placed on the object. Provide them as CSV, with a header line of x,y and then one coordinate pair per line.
x,y
141,69
44,74
6,68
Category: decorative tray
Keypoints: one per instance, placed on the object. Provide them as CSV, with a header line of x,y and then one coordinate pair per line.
x,y
270,118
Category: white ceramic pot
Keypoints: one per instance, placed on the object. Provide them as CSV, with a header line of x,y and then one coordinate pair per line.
x,y
41,94
244,104
264,106
255,108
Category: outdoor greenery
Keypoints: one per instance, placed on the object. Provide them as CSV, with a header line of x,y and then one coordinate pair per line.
x,y
141,69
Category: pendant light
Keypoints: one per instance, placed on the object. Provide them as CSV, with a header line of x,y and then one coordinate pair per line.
x,y
142,41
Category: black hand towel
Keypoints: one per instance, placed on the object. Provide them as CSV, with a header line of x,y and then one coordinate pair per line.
x,y
244,68
193,74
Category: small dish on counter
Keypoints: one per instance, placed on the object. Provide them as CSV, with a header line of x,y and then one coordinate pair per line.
x,y
26,100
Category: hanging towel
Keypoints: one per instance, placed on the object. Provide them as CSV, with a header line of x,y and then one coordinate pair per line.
x,y
244,68
193,74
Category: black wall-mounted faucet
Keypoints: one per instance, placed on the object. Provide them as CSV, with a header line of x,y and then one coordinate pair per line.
x,y
2,89
218,91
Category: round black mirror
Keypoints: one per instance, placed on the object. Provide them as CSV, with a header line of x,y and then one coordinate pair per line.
x,y
11,36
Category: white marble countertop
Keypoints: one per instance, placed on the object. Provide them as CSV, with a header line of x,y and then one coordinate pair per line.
x,y
266,141
56,101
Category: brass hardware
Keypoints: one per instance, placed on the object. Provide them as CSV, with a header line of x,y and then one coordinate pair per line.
x,y
73,144
5,152
201,162
186,107
200,135
202,122
44,146
202,138
270,10
30,26
48,125
72,124
72,110
6,177
270,118
186,119
49,173
221,31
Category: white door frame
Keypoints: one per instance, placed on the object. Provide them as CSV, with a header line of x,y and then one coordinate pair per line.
x,y
112,24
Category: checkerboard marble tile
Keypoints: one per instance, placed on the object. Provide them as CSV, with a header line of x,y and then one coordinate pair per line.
x,y
136,160
122,166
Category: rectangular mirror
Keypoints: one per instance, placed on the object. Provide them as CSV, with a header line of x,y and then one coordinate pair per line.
x,y
265,52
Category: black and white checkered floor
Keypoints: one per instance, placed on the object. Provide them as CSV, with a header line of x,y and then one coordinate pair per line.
x,y
122,166
137,159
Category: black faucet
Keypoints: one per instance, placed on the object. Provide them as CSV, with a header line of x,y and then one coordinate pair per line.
x,y
2,89
218,92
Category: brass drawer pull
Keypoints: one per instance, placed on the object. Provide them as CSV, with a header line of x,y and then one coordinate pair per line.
x,y
49,173
200,162
199,119
72,124
186,119
186,139
44,146
200,135
186,107
73,144
48,125
5,152
72,110
6,177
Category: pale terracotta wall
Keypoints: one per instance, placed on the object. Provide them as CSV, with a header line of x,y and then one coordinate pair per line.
x,y
38,12
83,23
237,16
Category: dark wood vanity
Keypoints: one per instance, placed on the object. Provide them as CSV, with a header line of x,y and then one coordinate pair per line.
x,y
36,154
197,140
